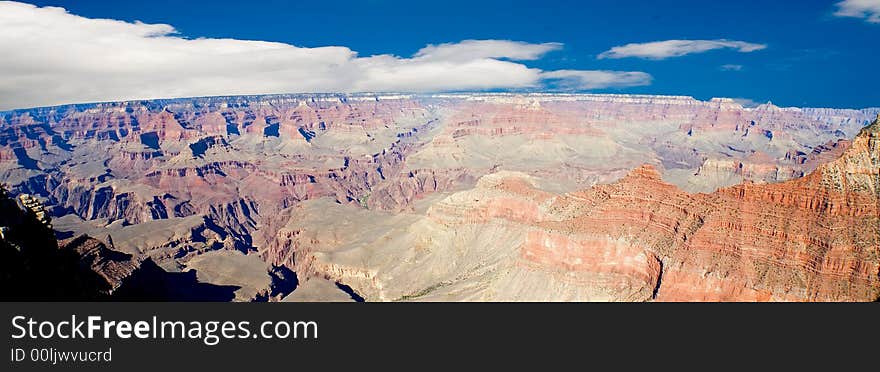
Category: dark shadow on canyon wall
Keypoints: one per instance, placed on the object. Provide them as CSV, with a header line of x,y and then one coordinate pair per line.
x,y
31,265
34,268
354,296
152,283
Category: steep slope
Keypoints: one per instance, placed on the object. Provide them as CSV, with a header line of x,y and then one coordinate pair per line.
x,y
35,266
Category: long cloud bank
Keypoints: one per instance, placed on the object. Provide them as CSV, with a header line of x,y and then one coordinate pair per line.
x,y
677,48
53,57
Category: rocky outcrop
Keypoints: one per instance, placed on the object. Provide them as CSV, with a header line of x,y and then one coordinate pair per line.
x,y
113,267
33,205
34,266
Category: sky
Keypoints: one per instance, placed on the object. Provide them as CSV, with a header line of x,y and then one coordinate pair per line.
x,y
803,53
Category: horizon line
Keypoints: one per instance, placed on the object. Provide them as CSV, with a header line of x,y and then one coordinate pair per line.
x,y
377,94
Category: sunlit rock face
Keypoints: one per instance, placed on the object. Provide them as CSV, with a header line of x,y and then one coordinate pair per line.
x,y
540,197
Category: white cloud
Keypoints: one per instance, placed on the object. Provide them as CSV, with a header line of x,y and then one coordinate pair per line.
x,y
867,9
586,80
471,49
677,48
731,67
53,57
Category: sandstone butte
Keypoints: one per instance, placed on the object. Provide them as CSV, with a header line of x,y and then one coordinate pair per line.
x,y
816,238
485,197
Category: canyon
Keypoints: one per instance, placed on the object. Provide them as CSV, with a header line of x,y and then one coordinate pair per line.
x,y
456,197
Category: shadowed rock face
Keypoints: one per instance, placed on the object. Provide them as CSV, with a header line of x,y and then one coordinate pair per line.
x,y
35,266
473,197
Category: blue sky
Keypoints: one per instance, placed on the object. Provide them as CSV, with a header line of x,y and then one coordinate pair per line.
x,y
811,57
